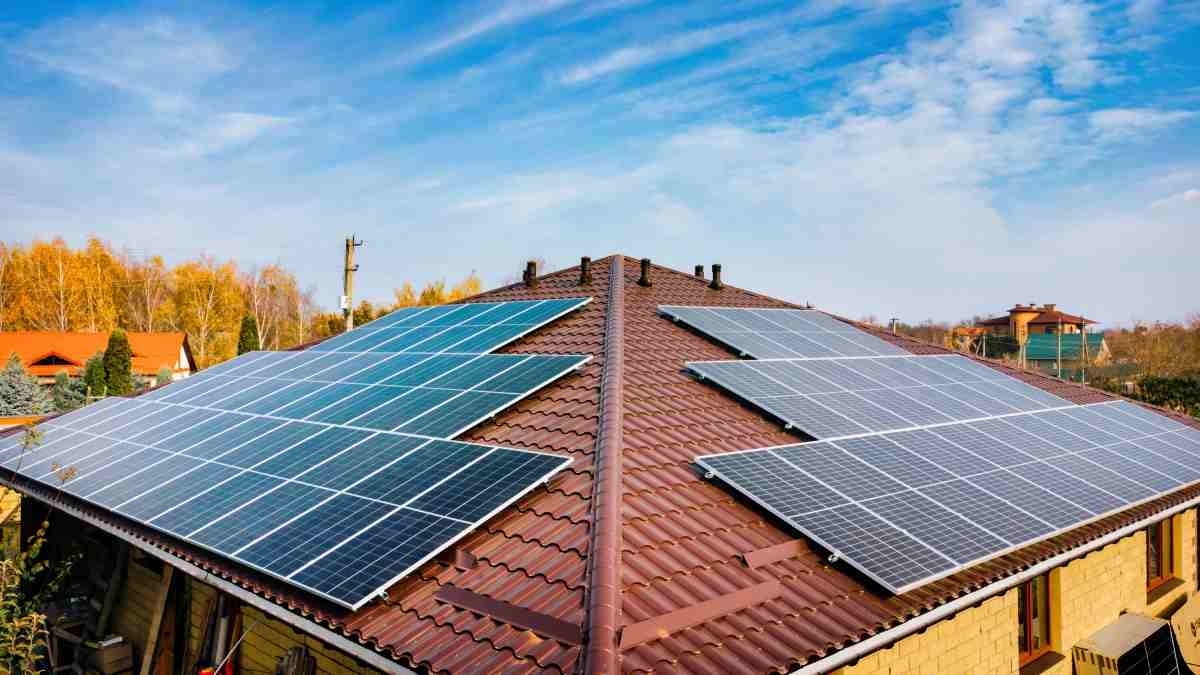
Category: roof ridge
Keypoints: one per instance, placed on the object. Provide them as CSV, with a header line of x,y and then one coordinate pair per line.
x,y
604,559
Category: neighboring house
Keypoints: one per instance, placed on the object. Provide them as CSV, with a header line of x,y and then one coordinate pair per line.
x,y
1031,319
46,353
633,561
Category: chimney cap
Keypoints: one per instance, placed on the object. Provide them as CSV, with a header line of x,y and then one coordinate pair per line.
x,y
716,284
644,278
585,270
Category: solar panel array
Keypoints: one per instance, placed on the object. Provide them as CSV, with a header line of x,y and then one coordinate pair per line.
x,y
430,394
781,333
329,468
827,398
909,507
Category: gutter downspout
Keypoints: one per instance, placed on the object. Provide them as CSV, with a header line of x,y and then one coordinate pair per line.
x,y
330,637
604,593
889,637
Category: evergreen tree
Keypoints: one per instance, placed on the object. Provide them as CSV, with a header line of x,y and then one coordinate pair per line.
x,y
20,393
94,378
118,364
248,336
165,376
69,392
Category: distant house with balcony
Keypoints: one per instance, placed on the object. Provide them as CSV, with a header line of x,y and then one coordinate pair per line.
x,y
1044,337
45,353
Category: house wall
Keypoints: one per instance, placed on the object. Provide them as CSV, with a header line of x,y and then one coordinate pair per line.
x,y
269,639
134,608
266,639
1085,595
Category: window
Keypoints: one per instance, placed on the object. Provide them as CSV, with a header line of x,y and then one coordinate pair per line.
x,y
1033,618
1160,554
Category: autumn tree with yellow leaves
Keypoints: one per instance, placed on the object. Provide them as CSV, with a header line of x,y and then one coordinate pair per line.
x,y
47,285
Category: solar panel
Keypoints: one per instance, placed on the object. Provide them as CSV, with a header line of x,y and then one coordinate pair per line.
x,y
829,397
909,507
330,468
780,333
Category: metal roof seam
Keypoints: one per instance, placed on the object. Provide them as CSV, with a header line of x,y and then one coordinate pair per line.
x,y
604,575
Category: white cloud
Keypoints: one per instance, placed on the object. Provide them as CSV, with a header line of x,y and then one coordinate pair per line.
x,y
629,58
505,15
156,58
226,131
1186,197
890,193
1122,123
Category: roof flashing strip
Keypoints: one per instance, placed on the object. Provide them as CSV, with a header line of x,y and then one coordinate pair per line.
x,y
604,592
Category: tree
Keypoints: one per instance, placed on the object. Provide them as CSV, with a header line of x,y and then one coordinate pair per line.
x,y
95,379
365,312
27,583
164,376
405,296
148,300
7,272
118,365
100,280
69,392
20,393
470,285
434,293
209,305
248,335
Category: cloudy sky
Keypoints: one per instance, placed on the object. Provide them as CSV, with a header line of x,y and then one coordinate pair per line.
x,y
876,157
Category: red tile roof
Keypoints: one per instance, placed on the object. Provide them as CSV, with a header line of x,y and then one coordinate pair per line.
x,y
686,550
1044,317
71,350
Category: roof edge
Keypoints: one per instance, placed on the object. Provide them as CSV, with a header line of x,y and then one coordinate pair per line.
x,y
851,653
604,596
265,605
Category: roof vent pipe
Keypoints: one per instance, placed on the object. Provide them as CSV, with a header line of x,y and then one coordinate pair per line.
x,y
531,273
699,271
585,271
644,280
716,284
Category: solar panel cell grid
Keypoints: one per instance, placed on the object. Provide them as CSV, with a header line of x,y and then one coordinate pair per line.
x,y
872,392
224,460
768,334
942,488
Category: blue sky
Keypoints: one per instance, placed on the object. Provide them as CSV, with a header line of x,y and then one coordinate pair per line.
x,y
873,157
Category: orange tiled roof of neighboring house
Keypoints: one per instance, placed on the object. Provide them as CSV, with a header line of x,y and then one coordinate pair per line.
x,y
45,353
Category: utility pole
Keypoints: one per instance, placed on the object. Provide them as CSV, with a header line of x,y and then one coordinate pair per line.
x,y
1058,355
894,321
348,281
1083,354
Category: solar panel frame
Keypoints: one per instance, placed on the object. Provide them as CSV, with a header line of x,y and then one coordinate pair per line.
x,y
1061,498
857,389
780,332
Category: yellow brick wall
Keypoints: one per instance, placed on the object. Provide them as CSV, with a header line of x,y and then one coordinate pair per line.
x,y
268,639
979,640
1085,595
265,642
